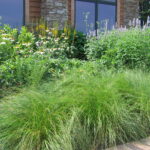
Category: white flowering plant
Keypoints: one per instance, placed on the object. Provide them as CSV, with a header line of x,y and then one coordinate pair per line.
x,y
15,43
25,43
66,43
24,55
7,40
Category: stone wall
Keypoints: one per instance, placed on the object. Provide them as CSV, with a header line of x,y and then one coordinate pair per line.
x,y
55,12
131,10
62,11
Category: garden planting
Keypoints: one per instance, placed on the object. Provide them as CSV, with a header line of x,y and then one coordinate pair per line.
x,y
61,90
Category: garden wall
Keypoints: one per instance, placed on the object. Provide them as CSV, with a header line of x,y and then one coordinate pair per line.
x,y
55,11
62,11
131,10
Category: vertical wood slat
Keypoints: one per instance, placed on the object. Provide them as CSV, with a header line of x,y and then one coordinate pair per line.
x,y
35,9
32,10
120,12
27,17
71,13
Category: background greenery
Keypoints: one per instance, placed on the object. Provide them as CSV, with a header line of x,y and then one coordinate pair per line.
x,y
128,48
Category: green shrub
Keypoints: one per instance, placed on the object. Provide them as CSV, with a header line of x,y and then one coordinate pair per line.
x,y
55,43
97,46
77,40
33,69
13,43
24,55
7,40
25,44
127,48
66,43
87,109
33,119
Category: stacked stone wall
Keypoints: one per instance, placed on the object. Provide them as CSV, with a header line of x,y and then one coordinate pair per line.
x,y
55,12
131,10
62,11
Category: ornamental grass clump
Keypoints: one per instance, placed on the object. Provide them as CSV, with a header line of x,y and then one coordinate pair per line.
x,y
111,107
27,121
87,109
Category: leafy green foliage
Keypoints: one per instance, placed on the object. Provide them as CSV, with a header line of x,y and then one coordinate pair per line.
x,y
26,58
96,46
33,70
7,40
122,48
66,43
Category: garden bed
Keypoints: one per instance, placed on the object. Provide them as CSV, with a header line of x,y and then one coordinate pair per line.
x,y
75,93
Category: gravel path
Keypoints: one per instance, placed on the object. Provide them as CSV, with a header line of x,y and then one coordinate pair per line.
x,y
140,145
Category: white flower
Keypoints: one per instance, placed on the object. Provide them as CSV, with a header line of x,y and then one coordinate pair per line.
x,y
49,38
66,38
12,40
56,40
45,42
39,43
4,34
26,44
41,53
2,43
54,49
7,39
